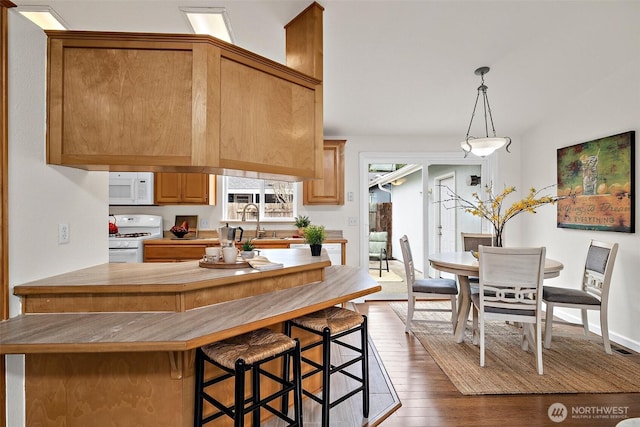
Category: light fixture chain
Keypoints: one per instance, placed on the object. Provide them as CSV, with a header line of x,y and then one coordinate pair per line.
x,y
493,129
475,105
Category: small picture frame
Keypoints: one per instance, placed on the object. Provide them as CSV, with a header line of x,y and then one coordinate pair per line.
x,y
192,221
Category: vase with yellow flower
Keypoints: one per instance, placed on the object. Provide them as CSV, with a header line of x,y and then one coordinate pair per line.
x,y
491,206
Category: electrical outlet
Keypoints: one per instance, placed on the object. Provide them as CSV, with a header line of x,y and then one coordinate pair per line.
x,y
350,196
63,233
353,220
204,223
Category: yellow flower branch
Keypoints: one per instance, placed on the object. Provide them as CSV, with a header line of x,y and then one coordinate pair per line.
x,y
492,208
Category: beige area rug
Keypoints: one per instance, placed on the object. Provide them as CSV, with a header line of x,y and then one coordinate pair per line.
x,y
571,365
387,276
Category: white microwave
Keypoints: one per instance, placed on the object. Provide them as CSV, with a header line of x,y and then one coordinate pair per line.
x,y
131,188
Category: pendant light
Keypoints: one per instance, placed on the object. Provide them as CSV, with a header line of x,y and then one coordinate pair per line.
x,y
486,145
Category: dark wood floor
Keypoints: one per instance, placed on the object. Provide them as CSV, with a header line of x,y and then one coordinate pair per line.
x,y
430,399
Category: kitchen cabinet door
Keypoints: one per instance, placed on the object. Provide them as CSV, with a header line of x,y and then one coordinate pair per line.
x,y
183,188
173,253
330,189
189,103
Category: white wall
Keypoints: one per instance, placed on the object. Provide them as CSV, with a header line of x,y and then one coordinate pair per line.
x,y
465,222
407,217
42,196
611,105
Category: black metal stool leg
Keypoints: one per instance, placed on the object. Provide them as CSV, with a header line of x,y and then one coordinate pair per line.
x,y
365,367
238,419
199,376
255,386
297,381
285,369
326,376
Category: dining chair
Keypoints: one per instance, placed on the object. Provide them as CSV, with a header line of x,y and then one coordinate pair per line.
x,y
471,241
432,288
378,248
592,295
510,289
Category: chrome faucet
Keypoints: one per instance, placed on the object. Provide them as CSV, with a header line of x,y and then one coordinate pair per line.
x,y
244,216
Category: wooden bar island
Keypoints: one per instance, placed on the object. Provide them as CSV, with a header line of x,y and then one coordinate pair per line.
x,y
113,345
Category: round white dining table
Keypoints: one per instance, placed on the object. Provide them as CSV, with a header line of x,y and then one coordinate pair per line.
x,y
463,265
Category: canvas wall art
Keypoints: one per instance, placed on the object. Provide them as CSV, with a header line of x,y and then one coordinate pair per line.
x,y
596,181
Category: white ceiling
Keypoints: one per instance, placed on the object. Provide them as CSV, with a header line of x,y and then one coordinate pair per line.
x,y
407,67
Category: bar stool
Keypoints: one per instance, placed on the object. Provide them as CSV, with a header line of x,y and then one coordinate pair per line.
x,y
332,324
235,356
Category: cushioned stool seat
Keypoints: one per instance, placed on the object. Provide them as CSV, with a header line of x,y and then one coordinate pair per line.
x,y
332,324
237,355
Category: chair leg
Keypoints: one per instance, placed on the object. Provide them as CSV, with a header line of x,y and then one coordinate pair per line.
x,y
380,264
604,330
454,311
410,307
481,340
539,346
585,321
386,259
548,325
474,328
528,337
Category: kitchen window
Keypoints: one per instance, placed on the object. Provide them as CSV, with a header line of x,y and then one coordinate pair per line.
x,y
276,200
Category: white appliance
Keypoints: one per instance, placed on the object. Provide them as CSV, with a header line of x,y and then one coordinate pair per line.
x,y
131,188
126,245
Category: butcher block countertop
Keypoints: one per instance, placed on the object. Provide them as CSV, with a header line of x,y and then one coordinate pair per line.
x,y
179,331
167,277
167,286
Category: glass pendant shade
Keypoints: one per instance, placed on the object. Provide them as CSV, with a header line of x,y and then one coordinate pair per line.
x,y
482,147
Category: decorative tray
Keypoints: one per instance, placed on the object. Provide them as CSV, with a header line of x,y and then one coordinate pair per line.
x,y
220,264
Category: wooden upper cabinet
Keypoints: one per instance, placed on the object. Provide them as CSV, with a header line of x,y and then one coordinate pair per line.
x,y
184,188
260,111
178,103
330,189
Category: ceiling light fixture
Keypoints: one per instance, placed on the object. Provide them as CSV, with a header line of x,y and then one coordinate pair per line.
x,y
213,21
43,16
486,145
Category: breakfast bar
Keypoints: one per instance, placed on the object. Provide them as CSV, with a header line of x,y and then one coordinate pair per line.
x,y
116,342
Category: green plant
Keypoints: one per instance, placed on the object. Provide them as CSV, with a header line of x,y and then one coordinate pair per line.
x,y
315,234
302,221
247,246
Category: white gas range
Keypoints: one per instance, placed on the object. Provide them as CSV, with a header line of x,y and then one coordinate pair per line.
x,y
126,245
